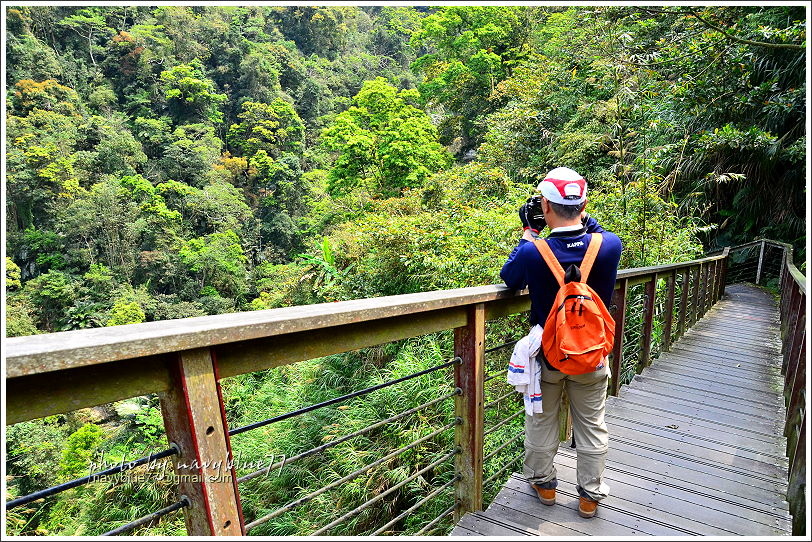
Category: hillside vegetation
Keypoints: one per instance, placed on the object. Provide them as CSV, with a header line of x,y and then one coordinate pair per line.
x,y
176,161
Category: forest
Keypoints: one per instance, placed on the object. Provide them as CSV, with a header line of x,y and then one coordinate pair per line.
x,y
179,161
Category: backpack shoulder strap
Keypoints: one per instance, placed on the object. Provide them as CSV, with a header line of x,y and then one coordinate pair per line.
x,y
552,262
591,254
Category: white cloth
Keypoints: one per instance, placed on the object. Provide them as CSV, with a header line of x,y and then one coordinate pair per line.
x,y
524,370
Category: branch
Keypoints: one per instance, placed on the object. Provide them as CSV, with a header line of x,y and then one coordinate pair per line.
x,y
747,42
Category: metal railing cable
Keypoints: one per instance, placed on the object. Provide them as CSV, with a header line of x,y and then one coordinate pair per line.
x,y
346,397
319,449
499,347
511,393
503,446
41,494
428,527
183,502
501,471
418,504
367,504
503,422
349,477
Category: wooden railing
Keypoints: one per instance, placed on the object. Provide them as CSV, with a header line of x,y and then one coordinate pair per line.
x,y
793,367
184,360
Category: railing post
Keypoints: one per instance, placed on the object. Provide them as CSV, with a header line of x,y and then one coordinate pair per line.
x,y
794,386
695,294
683,301
705,288
195,423
469,346
795,311
760,262
619,301
669,310
797,480
723,280
648,322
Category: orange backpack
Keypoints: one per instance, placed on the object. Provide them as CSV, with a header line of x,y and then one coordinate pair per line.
x,y
579,332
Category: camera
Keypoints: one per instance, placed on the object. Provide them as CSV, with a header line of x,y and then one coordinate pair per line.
x,y
534,207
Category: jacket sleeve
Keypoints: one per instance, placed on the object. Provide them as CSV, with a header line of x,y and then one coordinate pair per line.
x,y
513,272
592,226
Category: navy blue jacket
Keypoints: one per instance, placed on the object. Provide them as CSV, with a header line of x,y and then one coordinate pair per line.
x,y
525,267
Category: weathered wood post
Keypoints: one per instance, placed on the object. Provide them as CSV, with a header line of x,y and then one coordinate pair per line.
x,y
469,346
695,295
760,262
683,301
195,423
668,323
619,301
648,322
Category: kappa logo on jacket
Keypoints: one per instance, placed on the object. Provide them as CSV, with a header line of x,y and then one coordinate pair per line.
x,y
575,244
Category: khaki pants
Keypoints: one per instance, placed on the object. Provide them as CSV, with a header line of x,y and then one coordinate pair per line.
x,y
587,396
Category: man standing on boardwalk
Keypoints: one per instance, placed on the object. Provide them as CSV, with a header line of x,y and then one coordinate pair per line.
x,y
561,207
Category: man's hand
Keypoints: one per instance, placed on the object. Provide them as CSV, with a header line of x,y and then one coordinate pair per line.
x,y
523,216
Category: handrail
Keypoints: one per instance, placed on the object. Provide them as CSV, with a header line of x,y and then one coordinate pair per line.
x,y
183,360
793,367
36,354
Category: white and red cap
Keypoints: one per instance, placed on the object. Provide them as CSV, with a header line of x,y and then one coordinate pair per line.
x,y
564,186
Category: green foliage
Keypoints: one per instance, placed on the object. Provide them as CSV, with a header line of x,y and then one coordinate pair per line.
x,y
125,312
79,449
190,95
384,143
218,261
275,128
12,274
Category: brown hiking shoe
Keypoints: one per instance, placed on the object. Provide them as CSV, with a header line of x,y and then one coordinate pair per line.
x,y
587,507
546,496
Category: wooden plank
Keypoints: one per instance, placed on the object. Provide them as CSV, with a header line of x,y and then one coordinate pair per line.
x,y
700,464
686,428
759,402
194,422
710,399
712,337
683,471
669,417
739,368
39,395
691,353
729,345
669,500
673,439
618,501
524,518
563,513
54,351
469,345
738,383
755,423
635,502
256,355
70,349
482,524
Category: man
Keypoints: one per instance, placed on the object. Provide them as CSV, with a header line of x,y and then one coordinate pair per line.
x,y
563,198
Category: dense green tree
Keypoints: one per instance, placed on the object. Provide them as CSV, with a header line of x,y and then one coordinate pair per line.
x,y
190,95
383,142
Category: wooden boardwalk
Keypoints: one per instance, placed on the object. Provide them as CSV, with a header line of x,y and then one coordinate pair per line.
x,y
695,442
